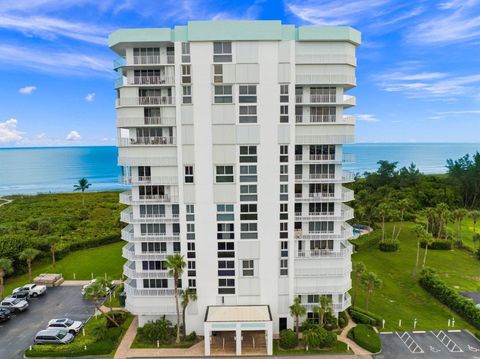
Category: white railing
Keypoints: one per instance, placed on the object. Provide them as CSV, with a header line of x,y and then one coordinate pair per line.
x,y
165,180
130,290
324,253
317,158
132,273
157,120
347,195
324,139
129,253
145,100
323,98
340,307
349,100
325,79
126,197
348,157
130,237
140,121
145,161
325,59
119,82
347,120
153,80
154,60
127,216
327,272
345,214
315,119
323,289
147,141
323,235
156,310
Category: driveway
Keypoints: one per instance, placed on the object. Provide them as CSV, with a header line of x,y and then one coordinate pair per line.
x,y
18,333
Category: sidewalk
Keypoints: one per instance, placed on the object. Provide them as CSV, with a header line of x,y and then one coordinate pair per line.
x,y
83,282
357,350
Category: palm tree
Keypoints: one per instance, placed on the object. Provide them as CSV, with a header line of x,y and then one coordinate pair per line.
x,y
475,216
476,238
371,282
297,310
442,210
29,255
358,269
94,292
52,244
403,205
324,308
462,213
420,233
6,267
108,285
383,211
187,295
82,185
175,265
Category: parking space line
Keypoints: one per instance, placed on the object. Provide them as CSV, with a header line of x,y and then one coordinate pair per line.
x,y
410,343
447,342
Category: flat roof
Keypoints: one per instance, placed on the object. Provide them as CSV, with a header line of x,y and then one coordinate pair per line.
x,y
238,313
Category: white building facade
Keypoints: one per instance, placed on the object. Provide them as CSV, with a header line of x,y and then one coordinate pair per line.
x,y
231,135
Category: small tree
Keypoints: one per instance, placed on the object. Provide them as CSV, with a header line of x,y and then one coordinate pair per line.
x,y
52,245
99,329
6,267
175,265
297,310
475,216
371,282
324,307
94,292
108,285
28,255
187,295
358,269
383,211
82,186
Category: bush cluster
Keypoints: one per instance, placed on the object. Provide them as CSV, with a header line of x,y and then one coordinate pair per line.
x,y
440,244
319,338
342,319
288,339
160,330
363,317
451,298
389,245
365,336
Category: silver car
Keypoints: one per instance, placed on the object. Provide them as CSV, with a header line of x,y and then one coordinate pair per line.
x,y
53,336
71,326
14,304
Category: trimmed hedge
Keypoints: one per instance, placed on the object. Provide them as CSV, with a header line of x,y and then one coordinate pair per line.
x,y
365,336
464,307
439,244
288,339
319,338
389,245
363,317
342,319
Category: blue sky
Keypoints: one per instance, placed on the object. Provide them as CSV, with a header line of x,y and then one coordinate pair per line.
x,y
418,67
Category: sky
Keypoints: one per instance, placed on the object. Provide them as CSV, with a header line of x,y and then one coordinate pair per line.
x,y
418,74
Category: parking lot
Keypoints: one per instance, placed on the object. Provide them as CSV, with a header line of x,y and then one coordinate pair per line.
x,y
18,333
429,345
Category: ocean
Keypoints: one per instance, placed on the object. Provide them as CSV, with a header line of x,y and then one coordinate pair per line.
x,y
57,169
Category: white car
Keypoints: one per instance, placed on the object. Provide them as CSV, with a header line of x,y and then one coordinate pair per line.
x,y
33,289
107,289
71,326
14,304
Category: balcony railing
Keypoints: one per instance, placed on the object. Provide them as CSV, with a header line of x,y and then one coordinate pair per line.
x,y
323,289
325,253
119,62
145,101
156,120
127,217
324,139
153,80
345,177
323,272
327,157
159,292
345,214
126,197
130,272
325,79
150,120
315,118
154,60
325,59
147,141
128,252
349,100
163,180
345,196
130,237
348,157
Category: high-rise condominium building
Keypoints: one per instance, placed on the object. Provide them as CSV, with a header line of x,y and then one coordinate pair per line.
x,y
231,136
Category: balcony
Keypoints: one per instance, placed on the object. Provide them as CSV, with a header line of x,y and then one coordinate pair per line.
x,y
145,101
348,158
132,290
325,99
138,180
324,272
119,62
126,197
322,235
158,160
324,139
126,216
309,158
154,60
346,214
337,307
345,196
345,177
126,122
347,79
130,272
128,235
324,289
316,119
128,252
147,141
119,82
325,59
153,80
325,253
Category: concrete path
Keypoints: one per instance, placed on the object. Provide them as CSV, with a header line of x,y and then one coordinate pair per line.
x,y
357,350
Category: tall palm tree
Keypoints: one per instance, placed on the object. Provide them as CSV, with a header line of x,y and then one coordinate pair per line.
x,y
420,233
403,206
187,295
94,292
28,255
383,211
475,216
371,282
82,185
358,269
6,267
175,265
462,213
297,310
52,244
442,210
324,308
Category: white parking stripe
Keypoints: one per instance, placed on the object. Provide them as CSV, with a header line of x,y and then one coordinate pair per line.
x,y
410,343
447,342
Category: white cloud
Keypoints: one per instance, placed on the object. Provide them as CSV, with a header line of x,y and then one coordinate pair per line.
x,y
9,132
90,97
27,90
73,136
367,117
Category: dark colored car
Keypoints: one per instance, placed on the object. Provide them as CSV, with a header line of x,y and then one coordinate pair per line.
x,y
22,294
5,315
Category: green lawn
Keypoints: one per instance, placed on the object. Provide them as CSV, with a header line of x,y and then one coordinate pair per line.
x,y
401,296
467,231
340,348
100,260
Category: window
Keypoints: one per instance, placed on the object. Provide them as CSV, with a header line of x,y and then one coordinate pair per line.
x,y
226,268
223,94
283,249
247,114
225,212
323,94
283,267
153,265
146,55
283,210
322,152
320,227
247,268
155,283
190,230
190,209
186,74
247,94
284,113
248,154
248,192
186,94
284,192
225,231
323,114
284,153
152,229
218,74
283,93
152,210
144,173
321,208
321,244
151,192
176,229
191,265
225,249
176,247
248,230
226,286
283,173
248,173
248,212
192,284
154,247
222,51
188,174
185,52
224,174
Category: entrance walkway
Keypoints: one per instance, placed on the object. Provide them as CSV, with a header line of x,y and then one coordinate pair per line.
x,y
357,350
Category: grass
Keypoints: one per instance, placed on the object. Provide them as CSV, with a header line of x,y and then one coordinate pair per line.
x,y
339,348
115,302
95,347
401,297
467,231
100,260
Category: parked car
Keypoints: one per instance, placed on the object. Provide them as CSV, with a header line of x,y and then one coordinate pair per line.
x,y
107,289
33,289
53,336
14,304
21,294
71,326
6,311
4,316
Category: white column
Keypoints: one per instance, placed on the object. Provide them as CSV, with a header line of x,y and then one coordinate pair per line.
x,y
207,341
269,333
238,341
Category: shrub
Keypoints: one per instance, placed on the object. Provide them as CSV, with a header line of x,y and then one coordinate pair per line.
x,y
44,227
342,319
365,336
288,339
307,324
451,298
160,330
389,245
330,321
458,244
439,244
191,337
119,317
319,338
99,329
477,253
363,317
